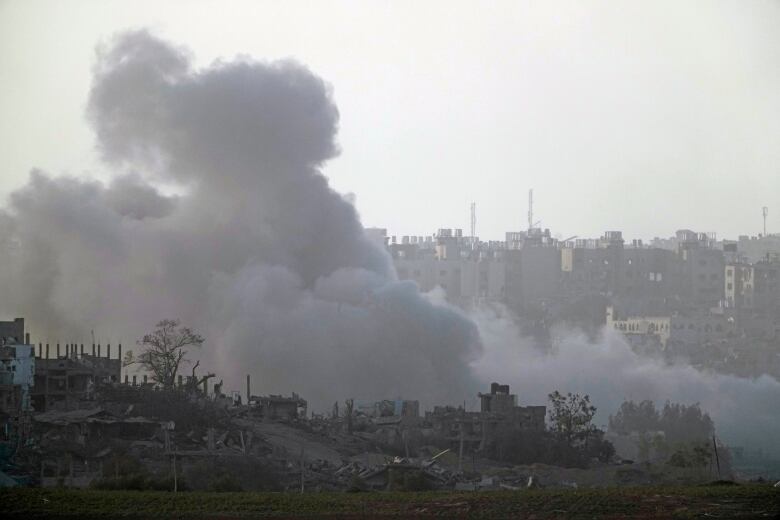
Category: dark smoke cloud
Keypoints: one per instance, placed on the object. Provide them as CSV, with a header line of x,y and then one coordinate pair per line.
x,y
257,251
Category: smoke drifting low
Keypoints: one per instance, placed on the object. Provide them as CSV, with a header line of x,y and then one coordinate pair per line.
x,y
256,252
746,412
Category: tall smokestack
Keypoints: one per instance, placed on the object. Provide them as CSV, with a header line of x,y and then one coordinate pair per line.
x,y
47,351
108,351
248,390
58,351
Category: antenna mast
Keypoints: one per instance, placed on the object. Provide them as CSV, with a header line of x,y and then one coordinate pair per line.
x,y
765,212
473,223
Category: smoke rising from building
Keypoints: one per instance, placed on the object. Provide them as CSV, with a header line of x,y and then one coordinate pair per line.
x,y
260,255
255,251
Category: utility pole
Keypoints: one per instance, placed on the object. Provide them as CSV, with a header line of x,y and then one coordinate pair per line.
x,y
175,474
474,249
765,212
717,459
302,473
460,448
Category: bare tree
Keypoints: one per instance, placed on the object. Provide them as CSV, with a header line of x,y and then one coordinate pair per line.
x,y
164,351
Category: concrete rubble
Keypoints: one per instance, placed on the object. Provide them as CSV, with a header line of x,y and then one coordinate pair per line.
x,y
270,443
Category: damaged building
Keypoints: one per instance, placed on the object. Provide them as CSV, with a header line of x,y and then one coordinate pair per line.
x,y
274,407
72,376
478,431
17,368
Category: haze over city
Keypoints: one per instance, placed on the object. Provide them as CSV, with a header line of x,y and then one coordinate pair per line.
x,y
374,247
647,116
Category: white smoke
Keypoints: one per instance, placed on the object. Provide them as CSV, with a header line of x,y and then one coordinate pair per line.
x,y
746,412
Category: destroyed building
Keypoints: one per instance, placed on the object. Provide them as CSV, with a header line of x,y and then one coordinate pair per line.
x,y
387,410
477,431
72,376
13,331
279,407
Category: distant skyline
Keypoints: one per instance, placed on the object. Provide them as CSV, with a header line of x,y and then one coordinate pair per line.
x,y
645,117
466,232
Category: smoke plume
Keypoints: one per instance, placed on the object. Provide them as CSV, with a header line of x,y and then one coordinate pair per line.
x,y
746,412
255,251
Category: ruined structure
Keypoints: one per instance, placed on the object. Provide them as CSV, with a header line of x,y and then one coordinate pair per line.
x,y
477,431
13,331
17,367
279,407
72,376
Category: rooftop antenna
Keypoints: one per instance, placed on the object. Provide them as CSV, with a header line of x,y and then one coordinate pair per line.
x,y
530,209
765,212
473,222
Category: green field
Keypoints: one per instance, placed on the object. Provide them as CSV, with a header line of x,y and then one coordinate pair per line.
x,y
738,501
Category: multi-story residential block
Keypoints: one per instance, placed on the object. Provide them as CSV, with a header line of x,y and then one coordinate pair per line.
x,y
696,328
702,269
753,286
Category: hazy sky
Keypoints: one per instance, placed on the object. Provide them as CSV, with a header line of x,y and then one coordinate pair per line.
x,y
641,116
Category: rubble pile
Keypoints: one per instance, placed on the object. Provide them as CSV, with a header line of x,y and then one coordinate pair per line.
x,y
192,440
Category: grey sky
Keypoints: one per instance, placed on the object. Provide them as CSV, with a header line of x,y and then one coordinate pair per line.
x,y
641,116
